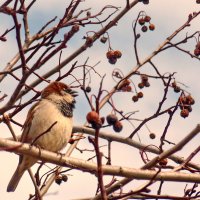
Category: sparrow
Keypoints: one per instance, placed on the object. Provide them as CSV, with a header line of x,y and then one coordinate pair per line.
x,y
48,125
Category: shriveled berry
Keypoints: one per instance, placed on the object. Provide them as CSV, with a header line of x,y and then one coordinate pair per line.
x,y
89,41
64,178
103,39
88,89
144,78
147,18
184,113
58,180
111,119
151,27
144,29
177,89
134,98
117,54
112,60
141,21
117,126
140,94
174,84
75,28
152,135
190,100
146,84
163,162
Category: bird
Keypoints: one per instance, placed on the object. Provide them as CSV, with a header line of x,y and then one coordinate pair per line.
x,y
48,125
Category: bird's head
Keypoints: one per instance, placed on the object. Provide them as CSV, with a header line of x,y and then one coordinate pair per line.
x,y
59,91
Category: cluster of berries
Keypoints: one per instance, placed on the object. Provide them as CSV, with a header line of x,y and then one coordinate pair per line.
x,y
60,178
197,49
113,56
138,96
96,122
126,87
177,89
144,82
143,20
113,121
185,104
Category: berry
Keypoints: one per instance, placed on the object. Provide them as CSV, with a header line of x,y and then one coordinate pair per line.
x,y
64,178
140,95
103,39
174,84
152,135
110,54
198,45
117,126
190,100
117,54
144,29
198,1
144,78
88,89
140,85
75,28
112,60
147,18
93,119
146,84
184,113
111,119
163,162
58,180
197,52
135,98
151,27
89,41
141,21
177,89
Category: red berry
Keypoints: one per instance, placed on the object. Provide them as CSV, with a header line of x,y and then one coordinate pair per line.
x,y
117,54
146,84
58,179
141,21
111,119
117,126
141,85
110,54
147,18
197,52
140,95
93,118
135,98
184,113
151,27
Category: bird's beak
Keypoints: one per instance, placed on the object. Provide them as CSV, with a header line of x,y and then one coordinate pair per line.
x,y
74,93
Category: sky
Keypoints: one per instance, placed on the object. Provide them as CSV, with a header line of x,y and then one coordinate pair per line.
x,y
167,16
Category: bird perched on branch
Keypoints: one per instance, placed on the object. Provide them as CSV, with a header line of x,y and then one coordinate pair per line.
x,y
48,125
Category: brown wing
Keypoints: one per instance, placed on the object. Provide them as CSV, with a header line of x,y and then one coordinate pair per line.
x,y
27,124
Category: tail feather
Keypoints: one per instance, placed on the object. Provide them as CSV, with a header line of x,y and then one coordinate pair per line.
x,y
15,180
